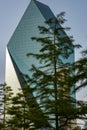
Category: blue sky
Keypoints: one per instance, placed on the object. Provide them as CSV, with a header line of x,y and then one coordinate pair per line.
x,y
11,12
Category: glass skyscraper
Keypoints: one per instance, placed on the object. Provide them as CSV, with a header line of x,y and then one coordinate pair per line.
x,y
21,44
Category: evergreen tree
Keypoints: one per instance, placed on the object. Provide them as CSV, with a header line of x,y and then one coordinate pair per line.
x,y
51,79
80,66
19,111
6,102
1,106
80,79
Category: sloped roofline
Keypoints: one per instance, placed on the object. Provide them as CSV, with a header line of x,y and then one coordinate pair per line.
x,y
44,9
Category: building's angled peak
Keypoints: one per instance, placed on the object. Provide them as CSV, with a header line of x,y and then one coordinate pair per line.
x,y
44,9
37,2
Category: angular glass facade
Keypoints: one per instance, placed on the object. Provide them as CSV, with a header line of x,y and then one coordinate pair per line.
x,y
21,43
